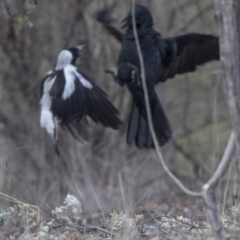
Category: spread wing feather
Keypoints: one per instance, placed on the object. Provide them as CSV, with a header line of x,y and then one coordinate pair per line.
x,y
185,53
83,101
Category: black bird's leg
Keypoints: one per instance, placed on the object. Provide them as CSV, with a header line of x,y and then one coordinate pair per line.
x,y
114,76
135,75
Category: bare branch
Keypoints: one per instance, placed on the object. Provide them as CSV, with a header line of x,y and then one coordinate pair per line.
x,y
228,19
223,166
208,188
149,114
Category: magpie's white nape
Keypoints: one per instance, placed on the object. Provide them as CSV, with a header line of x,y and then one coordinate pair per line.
x,y
68,95
69,56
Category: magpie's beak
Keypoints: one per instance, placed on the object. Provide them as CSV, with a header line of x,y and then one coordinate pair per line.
x,y
81,49
126,22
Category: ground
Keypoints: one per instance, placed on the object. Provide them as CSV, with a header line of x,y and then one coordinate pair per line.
x,y
179,221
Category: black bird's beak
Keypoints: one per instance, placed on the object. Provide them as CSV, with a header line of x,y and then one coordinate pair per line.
x,y
126,22
81,49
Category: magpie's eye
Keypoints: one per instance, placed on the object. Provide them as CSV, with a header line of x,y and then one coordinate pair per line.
x,y
138,25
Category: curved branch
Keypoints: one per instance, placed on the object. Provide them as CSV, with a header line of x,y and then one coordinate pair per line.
x,y
149,115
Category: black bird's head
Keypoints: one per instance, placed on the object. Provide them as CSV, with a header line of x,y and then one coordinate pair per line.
x,y
142,15
69,56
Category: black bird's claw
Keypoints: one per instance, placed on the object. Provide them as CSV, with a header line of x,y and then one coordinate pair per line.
x,y
110,72
135,75
115,78
132,67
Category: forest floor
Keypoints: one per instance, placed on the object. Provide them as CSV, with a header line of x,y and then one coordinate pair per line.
x,y
156,222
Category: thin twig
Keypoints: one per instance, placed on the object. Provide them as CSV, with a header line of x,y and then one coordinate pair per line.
x,y
18,174
227,185
177,220
96,228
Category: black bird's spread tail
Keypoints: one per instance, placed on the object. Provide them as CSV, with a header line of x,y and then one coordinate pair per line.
x,y
138,127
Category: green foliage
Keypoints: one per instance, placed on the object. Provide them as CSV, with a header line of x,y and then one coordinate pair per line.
x,y
120,222
23,19
5,215
71,207
125,226
64,224
231,220
30,6
35,225
43,233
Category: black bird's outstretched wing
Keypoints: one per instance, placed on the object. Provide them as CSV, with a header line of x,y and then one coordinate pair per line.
x,y
104,19
182,54
76,96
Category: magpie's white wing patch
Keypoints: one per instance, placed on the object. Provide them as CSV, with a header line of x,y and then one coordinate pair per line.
x,y
71,75
84,82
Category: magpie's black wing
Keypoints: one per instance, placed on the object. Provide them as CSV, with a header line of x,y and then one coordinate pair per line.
x,y
74,96
104,19
78,129
100,108
184,53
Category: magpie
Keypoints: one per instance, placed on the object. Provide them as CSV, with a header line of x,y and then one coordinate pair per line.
x,y
68,96
163,59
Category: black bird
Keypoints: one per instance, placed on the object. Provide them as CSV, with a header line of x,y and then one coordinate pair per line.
x,y
68,95
163,59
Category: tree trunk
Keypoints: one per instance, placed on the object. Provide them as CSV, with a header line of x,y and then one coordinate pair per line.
x,y
228,17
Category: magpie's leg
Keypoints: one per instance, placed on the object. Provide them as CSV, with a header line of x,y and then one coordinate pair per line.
x,y
135,75
114,76
55,136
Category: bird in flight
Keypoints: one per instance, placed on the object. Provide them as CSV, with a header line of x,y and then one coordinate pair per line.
x,y
68,96
163,59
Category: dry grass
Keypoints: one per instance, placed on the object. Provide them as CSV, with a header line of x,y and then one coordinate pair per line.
x,y
69,221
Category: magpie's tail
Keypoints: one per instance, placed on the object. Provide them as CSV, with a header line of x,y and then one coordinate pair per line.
x,y
138,127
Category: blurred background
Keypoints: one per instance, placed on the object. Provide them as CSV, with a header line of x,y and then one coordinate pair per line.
x,y
105,173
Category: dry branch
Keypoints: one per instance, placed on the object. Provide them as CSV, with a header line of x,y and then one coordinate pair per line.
x,y
208,188
228,15
149,114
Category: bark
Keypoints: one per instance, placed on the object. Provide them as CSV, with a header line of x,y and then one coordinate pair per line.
x,y
228,15
208,190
